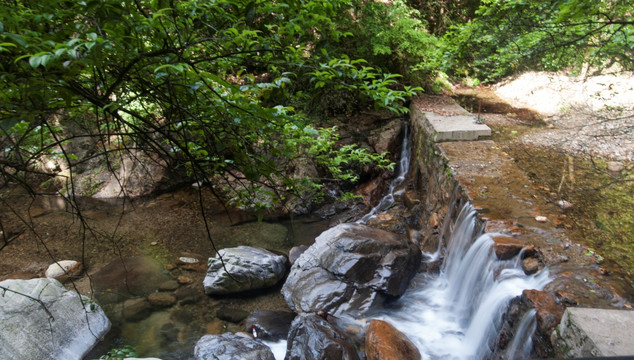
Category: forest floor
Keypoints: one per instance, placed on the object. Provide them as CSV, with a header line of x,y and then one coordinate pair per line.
x,y
574,138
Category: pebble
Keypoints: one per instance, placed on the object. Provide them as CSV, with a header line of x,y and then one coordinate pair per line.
x,y
183,280
565,205
615,166
541,219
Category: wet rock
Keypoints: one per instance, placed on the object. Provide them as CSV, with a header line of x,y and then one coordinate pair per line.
x,y
371,191
270,325
434,220
327,211
549,312
530,266
351,268
247,268
384,342
411,198
60,325
161,299
63,270
312,337
169,285
123,278
388,138
231,314
295,252
231,347
136,309
389,221
190,294
530,251
566,297
506,248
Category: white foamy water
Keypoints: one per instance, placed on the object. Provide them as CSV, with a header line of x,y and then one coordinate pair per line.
x,y
278,348
457,313
522,344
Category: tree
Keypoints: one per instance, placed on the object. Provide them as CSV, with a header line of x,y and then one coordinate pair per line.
x,y
510,36
209,86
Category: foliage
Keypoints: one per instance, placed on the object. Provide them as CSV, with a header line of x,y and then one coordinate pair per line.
x,y
209,86
121,353
440,15
392,36
354,84
510,36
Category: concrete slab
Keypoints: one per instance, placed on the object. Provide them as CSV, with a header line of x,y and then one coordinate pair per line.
x,y
587,332
456,128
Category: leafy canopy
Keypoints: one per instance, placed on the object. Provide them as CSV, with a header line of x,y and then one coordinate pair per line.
x,y
214,87
508,36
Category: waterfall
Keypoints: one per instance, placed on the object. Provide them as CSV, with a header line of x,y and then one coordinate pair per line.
x,y
403,168
457,313
522,344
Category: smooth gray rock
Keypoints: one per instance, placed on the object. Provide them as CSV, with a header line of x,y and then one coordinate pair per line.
x,y
312,338
50,322
229,346
245,268
587,332
351,268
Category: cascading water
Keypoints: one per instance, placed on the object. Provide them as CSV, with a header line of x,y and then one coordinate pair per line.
x,y
522,344
457,313
388,200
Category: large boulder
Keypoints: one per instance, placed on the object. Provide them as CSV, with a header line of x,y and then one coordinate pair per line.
x,y
351,268
312,338
243,268
40,319
230,346
384,342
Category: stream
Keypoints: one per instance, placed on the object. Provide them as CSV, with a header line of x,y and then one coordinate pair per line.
x,y
455,313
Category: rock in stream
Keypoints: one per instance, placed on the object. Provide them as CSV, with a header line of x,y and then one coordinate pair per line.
x,y
243,268
40,319
351,268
